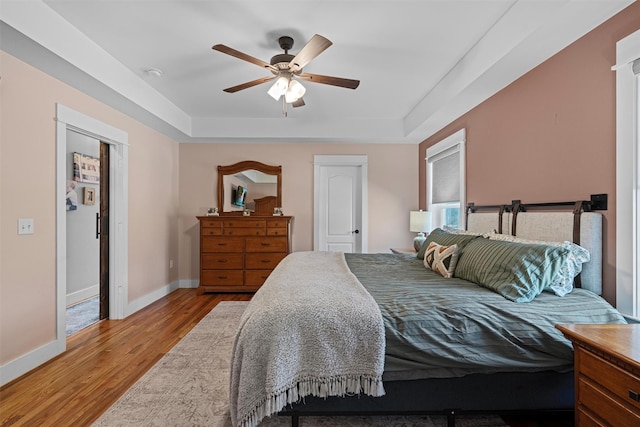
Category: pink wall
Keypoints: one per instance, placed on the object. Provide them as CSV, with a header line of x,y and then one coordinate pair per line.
x,y
550,135
28,100
393,185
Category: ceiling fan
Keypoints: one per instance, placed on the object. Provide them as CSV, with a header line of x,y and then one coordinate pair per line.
x,y
287,70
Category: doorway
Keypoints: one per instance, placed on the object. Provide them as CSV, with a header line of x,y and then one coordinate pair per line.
x,y
340,203
87,213
115,142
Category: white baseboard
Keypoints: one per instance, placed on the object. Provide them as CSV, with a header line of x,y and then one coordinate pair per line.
x,y
150,298
35,358
29,361
189,283
83,294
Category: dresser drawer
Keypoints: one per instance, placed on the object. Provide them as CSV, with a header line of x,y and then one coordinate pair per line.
x,y
256,277
211,231
618,381
210,223
237,231
601,403
221,277
263,260
222,244
276,231
583,419
277,223
269,244
221,261
245,223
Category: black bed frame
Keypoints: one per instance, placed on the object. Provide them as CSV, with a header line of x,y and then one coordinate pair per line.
x,y
546,391
471,394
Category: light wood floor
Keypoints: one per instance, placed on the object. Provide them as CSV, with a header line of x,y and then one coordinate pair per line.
x,y
105,359
102,362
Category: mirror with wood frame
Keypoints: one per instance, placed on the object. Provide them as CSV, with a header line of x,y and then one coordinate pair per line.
x,y
251,186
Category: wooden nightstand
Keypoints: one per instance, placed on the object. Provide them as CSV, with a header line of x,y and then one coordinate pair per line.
x,y
403,251
607,373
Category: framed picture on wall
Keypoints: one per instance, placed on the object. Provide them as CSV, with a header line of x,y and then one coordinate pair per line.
x,y
89,196
86,168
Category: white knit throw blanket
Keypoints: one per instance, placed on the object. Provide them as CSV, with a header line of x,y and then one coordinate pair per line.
x,y
311,329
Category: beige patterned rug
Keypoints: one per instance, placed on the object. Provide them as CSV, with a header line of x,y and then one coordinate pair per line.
x,y
189,387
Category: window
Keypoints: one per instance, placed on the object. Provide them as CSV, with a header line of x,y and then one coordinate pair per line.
x,y
628,175
446,181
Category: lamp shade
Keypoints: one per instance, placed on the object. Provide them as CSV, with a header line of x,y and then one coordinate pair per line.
x,y
419,221
279,87
294,92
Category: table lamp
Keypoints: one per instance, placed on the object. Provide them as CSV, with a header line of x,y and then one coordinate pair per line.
x,y
419,222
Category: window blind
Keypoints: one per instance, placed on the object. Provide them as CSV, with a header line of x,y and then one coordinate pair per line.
x,y
445,175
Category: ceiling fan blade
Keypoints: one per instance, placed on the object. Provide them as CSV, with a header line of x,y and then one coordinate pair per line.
x,y
298,103
246,85
330,80
236,53
313,48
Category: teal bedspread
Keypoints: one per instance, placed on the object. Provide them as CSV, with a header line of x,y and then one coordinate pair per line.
x,y
438,328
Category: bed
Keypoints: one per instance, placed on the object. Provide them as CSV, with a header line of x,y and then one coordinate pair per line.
x,y
333,333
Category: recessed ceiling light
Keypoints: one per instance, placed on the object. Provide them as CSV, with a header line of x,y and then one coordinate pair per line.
x,y
153,72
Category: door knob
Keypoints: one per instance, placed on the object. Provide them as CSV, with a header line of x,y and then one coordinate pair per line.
x,y
356,231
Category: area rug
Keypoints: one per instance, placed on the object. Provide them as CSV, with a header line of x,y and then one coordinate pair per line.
x,y
189,387
83,314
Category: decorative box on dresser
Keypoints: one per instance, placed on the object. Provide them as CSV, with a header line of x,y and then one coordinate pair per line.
x,y
607,374
237,253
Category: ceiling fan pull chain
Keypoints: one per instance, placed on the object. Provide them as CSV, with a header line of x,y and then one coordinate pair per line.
x,y
284,107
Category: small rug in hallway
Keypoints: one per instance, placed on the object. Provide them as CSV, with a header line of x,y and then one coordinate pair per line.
x,y
83,314
189,387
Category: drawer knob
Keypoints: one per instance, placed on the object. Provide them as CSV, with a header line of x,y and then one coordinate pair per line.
x,y
634,396
265,244
222,261
265,261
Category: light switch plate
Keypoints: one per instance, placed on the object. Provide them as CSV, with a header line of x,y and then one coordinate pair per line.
x,y
25,226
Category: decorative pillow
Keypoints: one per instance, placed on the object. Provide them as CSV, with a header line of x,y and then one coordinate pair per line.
x,y
563,282
447,239
460,231
517,271
441,259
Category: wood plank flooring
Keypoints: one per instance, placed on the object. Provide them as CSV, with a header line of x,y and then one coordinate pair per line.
x,y
105,359
102,362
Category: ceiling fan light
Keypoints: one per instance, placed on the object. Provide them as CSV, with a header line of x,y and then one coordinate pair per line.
x,y
279,88
295,91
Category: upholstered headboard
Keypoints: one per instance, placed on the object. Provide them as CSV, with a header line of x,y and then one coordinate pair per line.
x,y
549,226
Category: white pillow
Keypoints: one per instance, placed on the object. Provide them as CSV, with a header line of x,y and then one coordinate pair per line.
x,y
563,283
460,231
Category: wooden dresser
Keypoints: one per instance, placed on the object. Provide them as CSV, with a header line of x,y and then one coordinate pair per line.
x,y
237,253
607,374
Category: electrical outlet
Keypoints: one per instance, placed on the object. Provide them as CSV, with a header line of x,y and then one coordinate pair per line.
x,y
170,263
25,226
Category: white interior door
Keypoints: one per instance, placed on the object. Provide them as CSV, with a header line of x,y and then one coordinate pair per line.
x,y
339,221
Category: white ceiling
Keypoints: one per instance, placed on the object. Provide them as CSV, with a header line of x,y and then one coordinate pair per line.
x,y
421,64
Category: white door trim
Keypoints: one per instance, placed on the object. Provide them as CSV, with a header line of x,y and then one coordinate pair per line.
x,y
320,161
118,141
627,176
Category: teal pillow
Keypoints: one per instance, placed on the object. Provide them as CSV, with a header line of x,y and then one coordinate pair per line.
x,y
517,271
444,238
